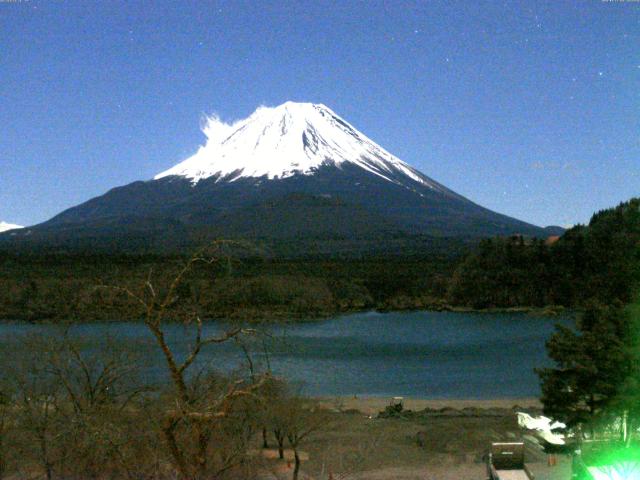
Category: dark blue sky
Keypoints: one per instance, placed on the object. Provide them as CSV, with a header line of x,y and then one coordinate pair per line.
x,y
530,109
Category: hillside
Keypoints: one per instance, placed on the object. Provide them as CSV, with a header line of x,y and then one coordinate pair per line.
x,y
297,178
599,261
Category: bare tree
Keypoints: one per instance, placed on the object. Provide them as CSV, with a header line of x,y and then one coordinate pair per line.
x,y
279,421
106,375
76,409
271,389
69,410
304,418
202,410
38,415
99,384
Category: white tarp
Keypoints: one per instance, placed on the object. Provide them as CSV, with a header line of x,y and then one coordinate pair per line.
x,y
542,426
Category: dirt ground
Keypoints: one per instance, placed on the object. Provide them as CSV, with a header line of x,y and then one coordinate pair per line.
x,y
372,405
356,445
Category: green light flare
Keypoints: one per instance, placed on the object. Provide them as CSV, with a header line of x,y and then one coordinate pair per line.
x,y
615,464
622,471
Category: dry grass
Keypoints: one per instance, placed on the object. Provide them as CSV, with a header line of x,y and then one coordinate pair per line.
x,y
372,405
354,446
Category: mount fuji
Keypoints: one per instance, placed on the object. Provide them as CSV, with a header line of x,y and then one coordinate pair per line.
x,y
294,138
296,174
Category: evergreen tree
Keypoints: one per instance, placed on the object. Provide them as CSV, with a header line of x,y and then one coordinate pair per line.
x,y
628,398
595,368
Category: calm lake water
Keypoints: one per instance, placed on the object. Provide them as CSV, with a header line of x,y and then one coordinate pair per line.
x,y
415,354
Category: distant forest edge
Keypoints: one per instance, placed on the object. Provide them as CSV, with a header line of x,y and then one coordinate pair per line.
x,y
599,262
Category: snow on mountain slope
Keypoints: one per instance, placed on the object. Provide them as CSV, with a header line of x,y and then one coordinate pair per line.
x,y
5,227
293,138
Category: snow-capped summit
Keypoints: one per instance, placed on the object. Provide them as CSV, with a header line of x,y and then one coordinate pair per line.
x,y
293,138
297,177
5,227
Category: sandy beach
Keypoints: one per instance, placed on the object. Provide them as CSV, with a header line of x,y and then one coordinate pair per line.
x,y
372,405
357,445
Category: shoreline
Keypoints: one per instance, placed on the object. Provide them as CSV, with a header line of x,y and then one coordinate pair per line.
x,y
371,405
281,317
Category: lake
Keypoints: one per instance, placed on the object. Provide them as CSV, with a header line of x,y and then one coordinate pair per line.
x,y
410,354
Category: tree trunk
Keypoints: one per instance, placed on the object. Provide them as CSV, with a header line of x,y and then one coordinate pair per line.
x,y
296,468
2,459
3,464
44,451
265,443
176,454
203,442
580,435
280,440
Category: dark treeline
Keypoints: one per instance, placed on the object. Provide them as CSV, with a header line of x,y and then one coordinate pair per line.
x,y
56,286
595,262
599,262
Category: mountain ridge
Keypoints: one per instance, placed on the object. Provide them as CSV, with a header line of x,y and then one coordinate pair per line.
x,y
290,173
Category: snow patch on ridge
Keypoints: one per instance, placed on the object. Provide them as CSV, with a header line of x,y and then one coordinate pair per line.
x,y
5,227
293,138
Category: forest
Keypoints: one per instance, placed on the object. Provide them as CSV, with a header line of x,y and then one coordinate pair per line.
x,y
599,261
66,286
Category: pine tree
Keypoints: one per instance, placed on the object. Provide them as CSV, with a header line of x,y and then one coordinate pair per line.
x,y
594,366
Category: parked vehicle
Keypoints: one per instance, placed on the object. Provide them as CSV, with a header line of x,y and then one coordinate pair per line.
x,y
505,461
